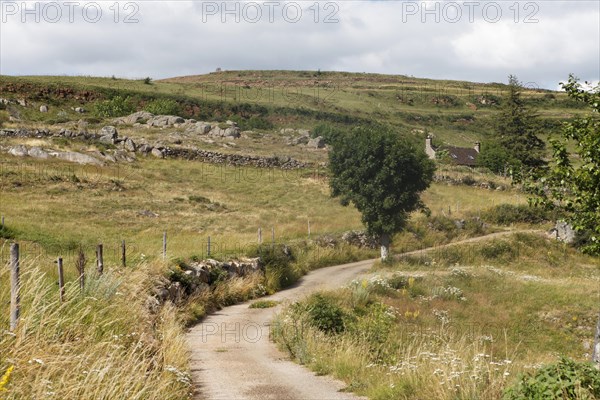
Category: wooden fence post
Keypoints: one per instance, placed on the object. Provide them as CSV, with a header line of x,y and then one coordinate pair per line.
x,y
309,228
164,245
2,222
123,254
100,259
273,235
15,283
259,236
61,280
208,248
80,264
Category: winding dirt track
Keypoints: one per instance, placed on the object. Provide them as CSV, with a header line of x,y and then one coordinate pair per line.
x,y
232,357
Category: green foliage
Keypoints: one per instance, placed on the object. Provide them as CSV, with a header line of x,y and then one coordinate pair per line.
x,y
163,107
506,214
264,304
382,175
573,185
117,106
6,232
565,380
327,131
325,315
147,80
516,126
278,263
495,157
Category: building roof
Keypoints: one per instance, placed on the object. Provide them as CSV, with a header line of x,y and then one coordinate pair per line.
x,y
461,155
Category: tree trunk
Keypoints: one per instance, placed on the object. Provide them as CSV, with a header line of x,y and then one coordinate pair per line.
x,y
385,246
596,353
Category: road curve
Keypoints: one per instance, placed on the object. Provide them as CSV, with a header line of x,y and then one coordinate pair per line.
x,y
232,357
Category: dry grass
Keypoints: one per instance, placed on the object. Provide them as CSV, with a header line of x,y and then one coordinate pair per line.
x,y
460,329
100,344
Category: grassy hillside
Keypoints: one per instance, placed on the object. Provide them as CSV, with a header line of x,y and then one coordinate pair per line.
x,y
125,346
456,112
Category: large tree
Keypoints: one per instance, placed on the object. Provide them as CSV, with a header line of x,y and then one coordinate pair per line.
x,y
383,175
516,126
572,181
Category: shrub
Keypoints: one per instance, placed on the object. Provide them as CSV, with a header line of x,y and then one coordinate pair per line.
x,y
505,214
326,131
118,106
494,157
163,107
278,264
325,315
147,80
566,379
499,249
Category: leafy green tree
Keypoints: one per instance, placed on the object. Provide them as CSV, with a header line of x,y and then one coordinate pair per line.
x,y
495,157
382,175
516,127
572,181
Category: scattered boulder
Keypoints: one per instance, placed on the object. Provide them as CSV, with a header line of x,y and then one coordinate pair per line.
x,y
37,152
78,158
145,148
565,232
18,151
79,110
108,135
129,145
200,128
316,143
44,108
22,102
157,153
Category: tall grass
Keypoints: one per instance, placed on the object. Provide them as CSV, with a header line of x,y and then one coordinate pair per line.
x,y
103,343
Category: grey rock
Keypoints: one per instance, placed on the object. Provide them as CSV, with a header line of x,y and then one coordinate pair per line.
x,y
145,148
108,133
201,128
157,153
22,102
18,151
124,156
565,232
316,143
37,152
79,110
78,158
44,108
137,117
129,145
233,132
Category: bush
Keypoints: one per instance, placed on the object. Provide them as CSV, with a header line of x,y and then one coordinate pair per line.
x,y
328,132
279,270
506,214
116,107
325,315
163,107
565,380
494,157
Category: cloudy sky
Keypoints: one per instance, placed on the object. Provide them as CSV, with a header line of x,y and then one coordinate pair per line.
x,y
539,41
